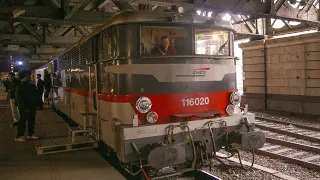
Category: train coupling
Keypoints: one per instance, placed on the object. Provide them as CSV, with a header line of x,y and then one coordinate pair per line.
x,y
246,141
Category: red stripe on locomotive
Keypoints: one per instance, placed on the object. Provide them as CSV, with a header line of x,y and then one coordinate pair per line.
x,y
167,105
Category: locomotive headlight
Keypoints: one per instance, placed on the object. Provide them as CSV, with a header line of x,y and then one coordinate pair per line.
x,y
235,98
152,117
233,109
143,104
230,109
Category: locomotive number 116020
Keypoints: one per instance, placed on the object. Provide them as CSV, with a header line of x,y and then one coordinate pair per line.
x,y
195,101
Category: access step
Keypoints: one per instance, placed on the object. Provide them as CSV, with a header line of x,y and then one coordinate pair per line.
x,y
64,144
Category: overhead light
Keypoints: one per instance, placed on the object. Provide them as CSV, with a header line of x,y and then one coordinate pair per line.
x,y
294,23
199,12
180,9
226,17
20,63
215,37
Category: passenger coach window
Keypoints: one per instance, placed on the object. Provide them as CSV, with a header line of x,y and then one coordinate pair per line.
x,y
211,42
159,40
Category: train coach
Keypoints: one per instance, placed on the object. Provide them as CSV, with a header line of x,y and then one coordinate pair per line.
x,y
159,88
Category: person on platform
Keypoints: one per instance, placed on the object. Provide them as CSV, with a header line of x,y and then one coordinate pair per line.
x,y
47,84
27,97
5,83
40,87
10,89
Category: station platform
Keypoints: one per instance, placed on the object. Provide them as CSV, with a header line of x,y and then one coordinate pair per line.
x,y
19,160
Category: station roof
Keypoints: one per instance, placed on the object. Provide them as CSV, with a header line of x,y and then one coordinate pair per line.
x,y
34,30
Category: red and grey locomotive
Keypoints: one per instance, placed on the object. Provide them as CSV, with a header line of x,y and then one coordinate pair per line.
x,y
152,107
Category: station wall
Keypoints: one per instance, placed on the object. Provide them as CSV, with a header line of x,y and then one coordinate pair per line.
x,y
283,74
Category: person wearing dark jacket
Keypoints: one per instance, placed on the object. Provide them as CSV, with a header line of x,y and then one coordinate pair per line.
x,y
47,84
40,87
27,99
10,89
5,83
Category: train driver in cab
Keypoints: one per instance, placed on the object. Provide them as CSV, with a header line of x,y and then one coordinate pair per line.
x,y
166,48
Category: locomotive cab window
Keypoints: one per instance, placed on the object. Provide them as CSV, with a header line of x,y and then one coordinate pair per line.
x,y
161,40
211,42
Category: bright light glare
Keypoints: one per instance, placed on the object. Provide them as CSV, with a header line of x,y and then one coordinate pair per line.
x,y
296,5
199,12
227,17
294,23
278,24
20,62
180,9
316,3
214,36
209,14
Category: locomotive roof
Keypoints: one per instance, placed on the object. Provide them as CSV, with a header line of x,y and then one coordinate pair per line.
x,y
127,17
161,17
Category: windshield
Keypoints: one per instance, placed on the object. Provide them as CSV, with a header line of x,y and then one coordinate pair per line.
x,y
164,40
211,42
159,40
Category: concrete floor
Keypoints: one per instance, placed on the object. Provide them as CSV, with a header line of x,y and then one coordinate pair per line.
x,y
19,161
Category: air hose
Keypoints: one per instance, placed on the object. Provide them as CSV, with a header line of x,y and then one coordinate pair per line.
x,y
144,173
241,161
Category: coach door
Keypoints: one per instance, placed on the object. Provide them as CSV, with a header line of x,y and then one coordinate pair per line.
x,y
93,98
91,103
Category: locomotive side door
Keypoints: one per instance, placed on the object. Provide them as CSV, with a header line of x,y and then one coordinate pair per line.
x,y
106,47
92,103
94,86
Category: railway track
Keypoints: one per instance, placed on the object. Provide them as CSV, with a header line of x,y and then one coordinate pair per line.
x,y
192,175
293,152
290,129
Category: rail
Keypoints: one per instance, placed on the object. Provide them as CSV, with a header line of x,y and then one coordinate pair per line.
x,y
302,153
289,123
290,129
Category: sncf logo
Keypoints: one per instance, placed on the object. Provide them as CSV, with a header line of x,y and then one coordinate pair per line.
x,y
200,71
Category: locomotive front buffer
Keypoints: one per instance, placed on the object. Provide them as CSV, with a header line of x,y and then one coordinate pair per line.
x,y
190,144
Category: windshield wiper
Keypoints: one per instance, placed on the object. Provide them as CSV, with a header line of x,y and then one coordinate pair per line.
x,y
224,45
153,45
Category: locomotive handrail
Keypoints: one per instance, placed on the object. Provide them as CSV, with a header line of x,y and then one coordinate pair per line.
x,y
186,56
169,56
116,58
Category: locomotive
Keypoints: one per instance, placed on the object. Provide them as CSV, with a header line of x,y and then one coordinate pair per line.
x,y
154,108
